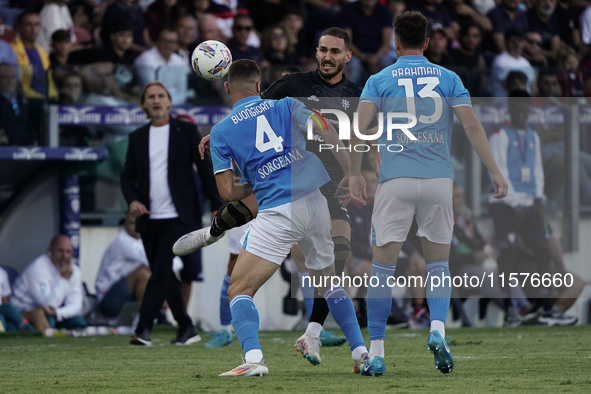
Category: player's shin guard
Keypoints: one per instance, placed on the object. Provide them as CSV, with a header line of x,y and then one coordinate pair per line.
x,y
245,320
379,299
307,291
225,312
341,253
233,214
343,312
438,290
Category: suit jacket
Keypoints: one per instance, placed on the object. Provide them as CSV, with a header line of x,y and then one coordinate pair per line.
x,y
17,127
183,151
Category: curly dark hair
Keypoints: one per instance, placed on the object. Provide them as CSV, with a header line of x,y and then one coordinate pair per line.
x,y
411,29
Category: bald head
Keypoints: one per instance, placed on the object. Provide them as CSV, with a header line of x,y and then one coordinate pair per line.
x,y
60,251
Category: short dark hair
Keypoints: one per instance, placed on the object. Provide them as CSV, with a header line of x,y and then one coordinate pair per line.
x,y
61,36
121,25
22,15
411,29
338,33
244,71
464,29
515,76
241,16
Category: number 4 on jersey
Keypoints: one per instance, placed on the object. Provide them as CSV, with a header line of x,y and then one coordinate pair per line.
x,y
264,129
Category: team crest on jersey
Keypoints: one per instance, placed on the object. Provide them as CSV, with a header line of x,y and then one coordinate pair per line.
x,y
345,104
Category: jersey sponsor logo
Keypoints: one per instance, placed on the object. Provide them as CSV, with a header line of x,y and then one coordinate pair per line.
x,y
313,98
345,104
278,163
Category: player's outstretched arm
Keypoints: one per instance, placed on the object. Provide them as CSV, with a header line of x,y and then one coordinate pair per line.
x,y
366,111
479,142
230,191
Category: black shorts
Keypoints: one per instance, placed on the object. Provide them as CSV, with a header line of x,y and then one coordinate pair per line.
x,y
336,211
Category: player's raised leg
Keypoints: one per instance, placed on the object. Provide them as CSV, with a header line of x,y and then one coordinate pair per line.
x,y
229,216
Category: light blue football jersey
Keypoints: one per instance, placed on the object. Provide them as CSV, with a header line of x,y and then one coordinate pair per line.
x,y
264,138
414,85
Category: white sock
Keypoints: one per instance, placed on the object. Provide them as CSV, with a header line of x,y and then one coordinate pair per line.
x,y
313,329
358,351
439,326
254,356
228,328
376,348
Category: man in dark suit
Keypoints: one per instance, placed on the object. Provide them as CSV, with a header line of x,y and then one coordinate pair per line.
x,y
158,184
14,124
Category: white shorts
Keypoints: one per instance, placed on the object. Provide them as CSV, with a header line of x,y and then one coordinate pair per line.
x,y
305,222
398,200
236,238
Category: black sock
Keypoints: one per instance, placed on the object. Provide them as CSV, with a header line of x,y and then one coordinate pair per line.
x,y
229,216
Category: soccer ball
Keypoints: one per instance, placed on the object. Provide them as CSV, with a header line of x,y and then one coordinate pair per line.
x,y
211,60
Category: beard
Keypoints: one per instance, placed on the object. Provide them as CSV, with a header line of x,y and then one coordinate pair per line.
x,y
329,75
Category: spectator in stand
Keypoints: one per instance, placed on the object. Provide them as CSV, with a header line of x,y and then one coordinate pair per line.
x,y
504,17
54,16
396,7
463,14
468,54
294,24
516,80
151,65
238,45
197,8
569,75
369,24
225,11
277,48
7,33
61,43
435,12
71,92
542,19
186,28
48,292
510,60
10,318
82,25
208,29
569,26
118,51
320,15
15,128
162,14
124,271
436,53
7,55
129,11
533,51
32,59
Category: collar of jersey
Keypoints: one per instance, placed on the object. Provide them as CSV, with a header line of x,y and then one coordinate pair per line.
x,y
411,58
245,101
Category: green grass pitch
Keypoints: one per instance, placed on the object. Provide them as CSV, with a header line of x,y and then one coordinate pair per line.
x,y
524,359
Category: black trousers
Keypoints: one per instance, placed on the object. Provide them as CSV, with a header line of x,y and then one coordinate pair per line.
x,y
158,239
